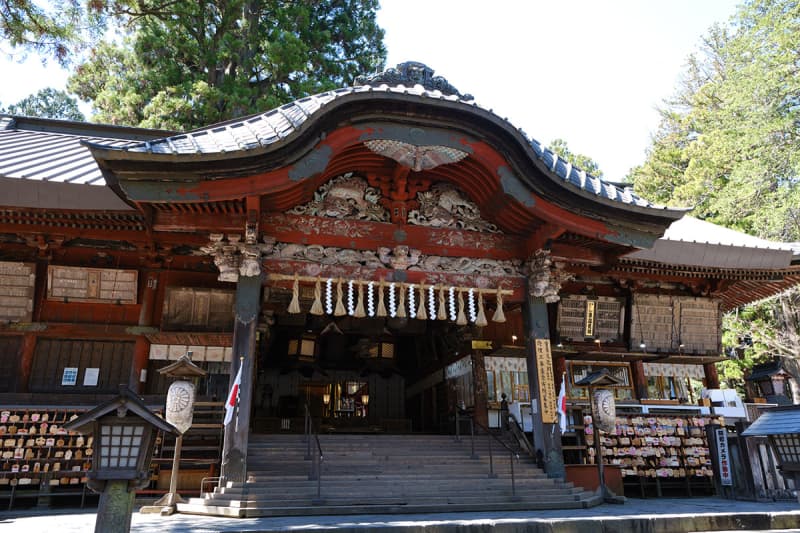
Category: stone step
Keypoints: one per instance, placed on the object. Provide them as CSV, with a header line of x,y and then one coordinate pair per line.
x,y
385,473
322,508
390,488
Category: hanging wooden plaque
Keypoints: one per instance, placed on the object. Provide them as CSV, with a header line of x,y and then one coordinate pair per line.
x,y
107,285
547,387
16,291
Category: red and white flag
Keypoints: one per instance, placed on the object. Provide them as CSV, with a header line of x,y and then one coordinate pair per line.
x,y
233,397
562,405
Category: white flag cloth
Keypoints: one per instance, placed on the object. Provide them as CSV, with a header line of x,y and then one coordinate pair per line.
x,y
233,397
562,406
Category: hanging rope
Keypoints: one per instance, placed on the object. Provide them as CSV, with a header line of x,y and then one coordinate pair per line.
x,y
499,315
401,301
461,319
421,314
359,312
316,307
294,305
381,306
480,320
340,310
442,315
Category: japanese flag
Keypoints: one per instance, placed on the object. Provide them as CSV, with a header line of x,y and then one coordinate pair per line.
x,y
562,406
233,397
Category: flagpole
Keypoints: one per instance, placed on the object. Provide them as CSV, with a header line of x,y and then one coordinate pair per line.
x,y
236,422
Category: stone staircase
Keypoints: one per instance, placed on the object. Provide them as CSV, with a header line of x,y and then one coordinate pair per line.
x,y
385,474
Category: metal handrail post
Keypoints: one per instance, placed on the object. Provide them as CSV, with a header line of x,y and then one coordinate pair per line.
x,y
308,434
492,475
472,439
513,480
319,475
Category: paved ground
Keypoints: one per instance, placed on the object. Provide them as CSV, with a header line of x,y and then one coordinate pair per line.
x,y
651,515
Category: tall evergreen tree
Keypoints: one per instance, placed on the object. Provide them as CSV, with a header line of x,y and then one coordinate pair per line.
x,y
729,145
49,103
183,65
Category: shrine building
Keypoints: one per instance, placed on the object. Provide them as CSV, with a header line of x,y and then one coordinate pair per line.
x,y
382,261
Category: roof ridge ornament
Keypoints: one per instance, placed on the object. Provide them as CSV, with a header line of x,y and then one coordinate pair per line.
x,y
410,73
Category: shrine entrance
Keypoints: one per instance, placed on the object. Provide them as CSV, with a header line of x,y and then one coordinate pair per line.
x,y
356,375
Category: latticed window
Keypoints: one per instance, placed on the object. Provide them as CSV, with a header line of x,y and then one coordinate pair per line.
x,y
120,445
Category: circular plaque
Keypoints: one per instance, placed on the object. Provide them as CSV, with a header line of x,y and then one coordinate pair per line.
x,y
180,405
605,410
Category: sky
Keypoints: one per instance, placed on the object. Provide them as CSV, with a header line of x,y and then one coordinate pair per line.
x,y
591,72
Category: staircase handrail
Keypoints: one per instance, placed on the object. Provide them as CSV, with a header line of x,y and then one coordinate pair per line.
x,y
519,435
316,463
512,453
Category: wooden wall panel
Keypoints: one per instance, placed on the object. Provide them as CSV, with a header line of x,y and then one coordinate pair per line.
x,y
666,322
10,355
194,309
112,358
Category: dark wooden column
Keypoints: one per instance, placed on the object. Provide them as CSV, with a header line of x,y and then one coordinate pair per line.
x,y
639,380
479,399
234,450
141,350
712,378
546,432
26,361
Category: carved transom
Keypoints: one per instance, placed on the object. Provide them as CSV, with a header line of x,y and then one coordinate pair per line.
x,y
444,206
397,258
441,205
346,196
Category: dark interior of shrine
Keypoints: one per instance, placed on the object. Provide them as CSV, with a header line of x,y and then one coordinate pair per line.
x,y
356,374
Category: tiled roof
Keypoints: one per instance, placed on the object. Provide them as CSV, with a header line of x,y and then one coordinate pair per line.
x,y
777,421
695,242
273,126
48,150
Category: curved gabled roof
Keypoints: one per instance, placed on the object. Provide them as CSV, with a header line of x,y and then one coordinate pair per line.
x,y
267,131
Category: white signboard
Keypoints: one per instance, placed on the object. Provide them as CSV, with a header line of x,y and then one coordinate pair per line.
x,y
90,376
723,457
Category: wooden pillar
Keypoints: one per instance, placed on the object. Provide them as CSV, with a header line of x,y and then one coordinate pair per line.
x,y
546,431
141,354
712,378
26,361
141,350
479,399
247,308
639,380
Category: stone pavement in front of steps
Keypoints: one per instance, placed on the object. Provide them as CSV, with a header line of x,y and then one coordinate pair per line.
x,y
665,515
